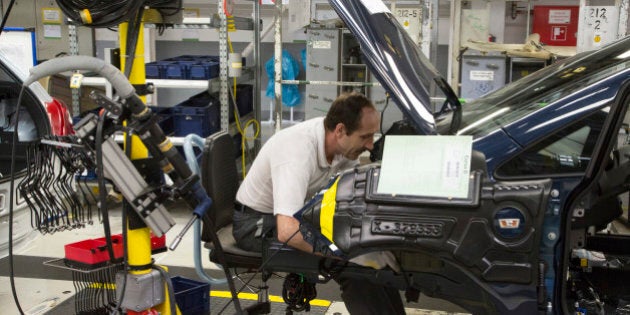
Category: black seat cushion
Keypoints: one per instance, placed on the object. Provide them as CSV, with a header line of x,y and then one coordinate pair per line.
x,y
220,179
234,256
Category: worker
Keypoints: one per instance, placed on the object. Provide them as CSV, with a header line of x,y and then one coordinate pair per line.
x,y
291,167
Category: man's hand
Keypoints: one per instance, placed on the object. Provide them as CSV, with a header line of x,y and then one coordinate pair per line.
x,y
289,232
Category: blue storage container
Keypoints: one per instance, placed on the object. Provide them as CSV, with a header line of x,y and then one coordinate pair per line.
x,y
192,297
204,70
190,67
213,68
199,114
176,70
157,69
165,119
199,71
152,70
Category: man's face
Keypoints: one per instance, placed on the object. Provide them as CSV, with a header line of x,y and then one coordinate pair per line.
x,y
362,139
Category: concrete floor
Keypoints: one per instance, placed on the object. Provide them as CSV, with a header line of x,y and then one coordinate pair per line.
x,y
44,289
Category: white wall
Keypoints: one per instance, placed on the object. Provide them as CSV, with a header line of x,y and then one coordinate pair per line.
x,y
511,31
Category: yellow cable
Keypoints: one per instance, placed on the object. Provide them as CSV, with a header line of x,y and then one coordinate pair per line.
x,y
244,137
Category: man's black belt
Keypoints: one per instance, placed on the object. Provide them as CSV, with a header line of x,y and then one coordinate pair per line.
x,y
241,207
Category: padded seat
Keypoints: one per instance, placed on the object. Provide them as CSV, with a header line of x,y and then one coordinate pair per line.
x,y
233,254
220,179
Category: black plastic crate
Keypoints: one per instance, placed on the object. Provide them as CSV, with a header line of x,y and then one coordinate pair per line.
x,y
199,114
244,98
192,297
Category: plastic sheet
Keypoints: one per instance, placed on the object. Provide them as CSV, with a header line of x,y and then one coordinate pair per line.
x,y
290,71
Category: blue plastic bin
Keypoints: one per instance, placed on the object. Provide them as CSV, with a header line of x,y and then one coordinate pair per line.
x,y
199,114
176,70
158,69
185,67
192,297
204,70
213,68
152,70
165,119
198,67
199,71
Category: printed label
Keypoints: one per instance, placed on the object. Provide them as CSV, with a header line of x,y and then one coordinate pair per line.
x,y
481,75
322,44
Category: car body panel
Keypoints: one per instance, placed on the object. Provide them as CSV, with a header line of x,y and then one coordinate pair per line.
x,y
522,119
499,142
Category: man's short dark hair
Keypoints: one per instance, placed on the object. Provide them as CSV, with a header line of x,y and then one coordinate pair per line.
x,y
347,109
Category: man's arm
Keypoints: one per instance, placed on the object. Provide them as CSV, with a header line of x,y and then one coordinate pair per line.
x,y
288,232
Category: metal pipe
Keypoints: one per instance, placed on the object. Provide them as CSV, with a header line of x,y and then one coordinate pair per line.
x,y
527,29
223,71
257,71
338,83
622,30
277,59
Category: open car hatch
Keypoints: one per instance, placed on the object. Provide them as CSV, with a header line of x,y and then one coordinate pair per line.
x,y
395,60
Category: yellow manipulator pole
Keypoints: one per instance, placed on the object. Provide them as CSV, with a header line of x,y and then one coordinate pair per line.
x,y
139,239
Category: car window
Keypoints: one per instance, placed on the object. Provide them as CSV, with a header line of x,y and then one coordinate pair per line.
x,y
542,88
567,151
29,129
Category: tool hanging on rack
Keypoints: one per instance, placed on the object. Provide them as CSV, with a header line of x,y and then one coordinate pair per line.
x,y
48,187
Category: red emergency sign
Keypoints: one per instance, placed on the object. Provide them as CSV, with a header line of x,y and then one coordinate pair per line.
x,y
556,25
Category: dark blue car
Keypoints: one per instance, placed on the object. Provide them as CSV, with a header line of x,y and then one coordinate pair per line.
x,y
550,157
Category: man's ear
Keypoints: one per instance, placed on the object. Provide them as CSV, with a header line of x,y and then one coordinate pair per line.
x,y
340,129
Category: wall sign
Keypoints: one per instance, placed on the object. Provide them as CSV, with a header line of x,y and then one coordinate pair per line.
x,y
411,20
559,16
599,26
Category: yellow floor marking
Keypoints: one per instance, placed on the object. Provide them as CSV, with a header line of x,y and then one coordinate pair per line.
x,y
224,294
272,298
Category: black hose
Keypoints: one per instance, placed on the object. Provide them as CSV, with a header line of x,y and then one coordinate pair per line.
x,y
169,287
11,201
132,40
101,186
117,308
6,16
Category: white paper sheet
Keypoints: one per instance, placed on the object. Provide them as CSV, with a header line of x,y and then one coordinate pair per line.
x,y
432,166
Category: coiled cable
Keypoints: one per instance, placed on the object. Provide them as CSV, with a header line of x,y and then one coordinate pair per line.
x,y
297,293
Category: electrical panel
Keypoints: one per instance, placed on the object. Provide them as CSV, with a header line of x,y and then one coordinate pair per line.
x,y
481,73
322,64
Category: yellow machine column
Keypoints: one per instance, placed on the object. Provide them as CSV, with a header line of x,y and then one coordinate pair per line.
x,y
138,235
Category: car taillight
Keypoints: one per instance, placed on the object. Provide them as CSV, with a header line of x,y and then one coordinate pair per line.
x,y
60,119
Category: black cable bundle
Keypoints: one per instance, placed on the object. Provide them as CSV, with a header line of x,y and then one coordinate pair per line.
x,y
110,13
99,13
297,293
